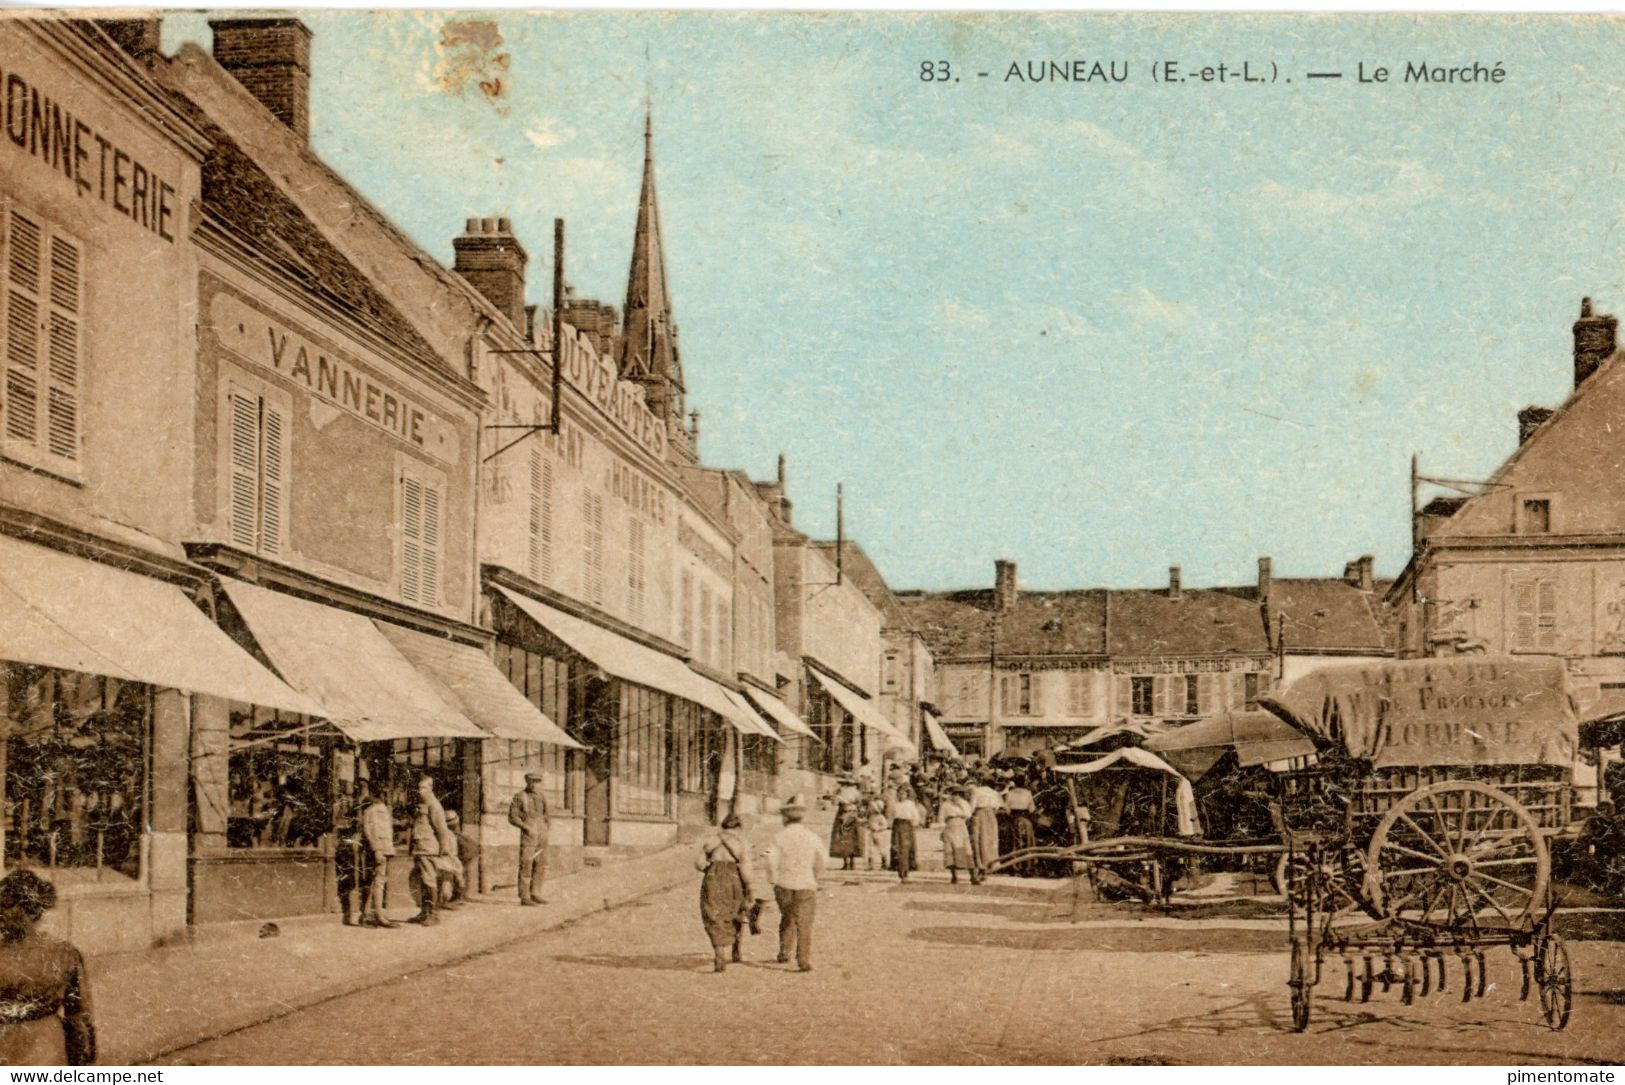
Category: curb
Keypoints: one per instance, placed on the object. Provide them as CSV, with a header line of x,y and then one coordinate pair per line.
x,y
657,883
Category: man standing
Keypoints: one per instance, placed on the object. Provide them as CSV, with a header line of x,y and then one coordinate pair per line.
x,y
428,829
528,814
378,844
794,863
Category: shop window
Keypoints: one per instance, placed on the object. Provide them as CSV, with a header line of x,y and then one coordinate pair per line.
x,y
698,744
540,527
823,718
43,297
640,753
1534,614
1143,690
1249,690
545,682
280,783
258,477
75,774
760,759
409,758
422,557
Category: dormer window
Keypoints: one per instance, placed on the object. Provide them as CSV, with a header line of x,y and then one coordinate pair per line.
x,y
1534,514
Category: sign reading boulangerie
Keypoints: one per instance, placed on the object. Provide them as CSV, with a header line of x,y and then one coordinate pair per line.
x,y
272,344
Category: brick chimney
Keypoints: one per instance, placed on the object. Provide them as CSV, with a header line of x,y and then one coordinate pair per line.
x,y
137,36
1004,584
493,262
1530,419
1265,577
1358,573
1595,336
597,321
1174,590
270,57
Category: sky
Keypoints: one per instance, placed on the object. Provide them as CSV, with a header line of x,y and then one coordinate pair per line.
x,y
1097,329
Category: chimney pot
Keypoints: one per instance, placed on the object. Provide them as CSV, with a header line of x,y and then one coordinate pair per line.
x,y
270,57
1530,419
495,267
1174,589
505,226
1266,577
1595,338
137,36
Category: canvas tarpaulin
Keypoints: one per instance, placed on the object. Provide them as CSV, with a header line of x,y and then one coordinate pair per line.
x,y
1128,756
1465,710
1258,737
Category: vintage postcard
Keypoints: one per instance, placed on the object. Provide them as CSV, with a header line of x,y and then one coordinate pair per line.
x,y
714,538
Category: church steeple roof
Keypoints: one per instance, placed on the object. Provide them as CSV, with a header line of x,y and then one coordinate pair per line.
x,y
649,352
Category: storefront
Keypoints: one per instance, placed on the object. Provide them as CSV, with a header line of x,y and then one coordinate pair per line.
x,y
397,704
660,737
102,672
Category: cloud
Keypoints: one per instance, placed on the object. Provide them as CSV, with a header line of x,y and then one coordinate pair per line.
x,y
1408,183
550,133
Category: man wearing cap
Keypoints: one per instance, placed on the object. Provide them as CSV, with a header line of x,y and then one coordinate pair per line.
x,y
528,814
794,863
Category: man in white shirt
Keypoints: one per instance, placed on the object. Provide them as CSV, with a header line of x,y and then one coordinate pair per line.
x,y
794,864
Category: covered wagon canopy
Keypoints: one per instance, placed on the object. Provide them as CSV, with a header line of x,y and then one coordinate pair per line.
x,y
1465,710
1258,737
1130,757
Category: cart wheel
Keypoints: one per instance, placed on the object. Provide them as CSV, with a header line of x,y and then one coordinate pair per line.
x,y
1408,988
1453,853
1300,982
1556,982
1366,981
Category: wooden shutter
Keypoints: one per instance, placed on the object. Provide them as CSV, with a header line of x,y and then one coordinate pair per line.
x,y
1035,695
1125,694
595,552
63,349
533,526
724,634
1524,605
244,483
432,502
634,568
411,538
685,621
1546,614
273,476
1205,695
1238,691
25,240
703,649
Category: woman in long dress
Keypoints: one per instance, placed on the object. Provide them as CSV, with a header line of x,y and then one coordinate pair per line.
x,y
726,896
956,853
44,994
905,818
846,834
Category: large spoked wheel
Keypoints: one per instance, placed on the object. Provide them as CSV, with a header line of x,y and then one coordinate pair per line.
x,y
1458,855
1556,982
1329,878
1302,980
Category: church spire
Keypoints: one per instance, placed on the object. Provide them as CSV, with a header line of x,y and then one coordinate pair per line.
x,y
649,337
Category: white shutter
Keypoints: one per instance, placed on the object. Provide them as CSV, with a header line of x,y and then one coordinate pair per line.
x,y
430,595
1524,594
533,557
1238,691
545,570
63,349
1546,614
593,526
244,483
1206,697
685,621
24,263
1036,695
411,538
1125,694
273,476
634,568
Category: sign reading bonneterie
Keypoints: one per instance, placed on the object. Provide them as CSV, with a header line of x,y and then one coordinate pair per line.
x,y
328,375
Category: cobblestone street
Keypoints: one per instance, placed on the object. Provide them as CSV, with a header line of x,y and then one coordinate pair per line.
x,y
923,973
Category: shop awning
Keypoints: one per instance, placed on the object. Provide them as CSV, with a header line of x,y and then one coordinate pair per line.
x,y
939,738
57,610
749,710
864,711
371,691
630,661
473,684
779,712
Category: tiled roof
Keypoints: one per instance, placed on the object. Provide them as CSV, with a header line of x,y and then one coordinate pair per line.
x,y
1327,613
241,196
1039,623
1198,622
855,564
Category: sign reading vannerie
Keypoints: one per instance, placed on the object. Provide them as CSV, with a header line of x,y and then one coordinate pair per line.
x,y
267,342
